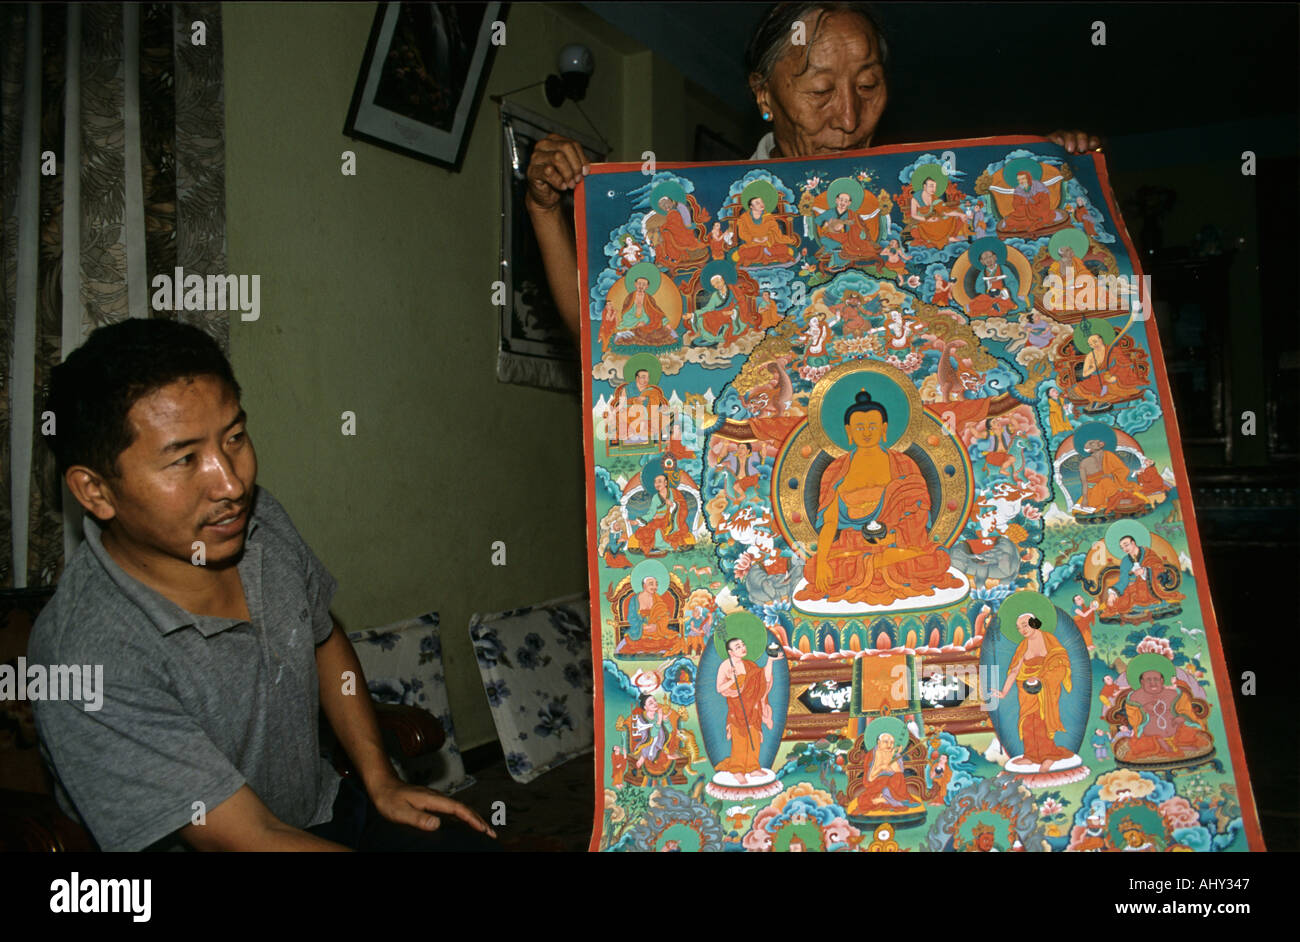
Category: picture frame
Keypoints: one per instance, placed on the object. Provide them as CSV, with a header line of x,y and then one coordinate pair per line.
x,y
535,347
422,77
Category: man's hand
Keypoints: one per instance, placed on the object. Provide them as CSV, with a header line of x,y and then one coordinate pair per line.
x,y
557,164
1076,142
419,807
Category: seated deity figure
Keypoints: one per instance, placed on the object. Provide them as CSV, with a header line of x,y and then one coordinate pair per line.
x,y
1108,374
653,738
761,240
648,616
1078,285
1159,714
883,786
679,244
935,223
839,231
997,289
638,410
873,507
1138,587
641,322
719,320
1105,481
669,515
1032,208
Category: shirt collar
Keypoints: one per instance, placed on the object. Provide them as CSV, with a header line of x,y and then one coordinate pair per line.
x,y
165,614
766,144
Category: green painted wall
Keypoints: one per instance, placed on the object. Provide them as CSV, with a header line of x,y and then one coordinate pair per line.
x,y
376,300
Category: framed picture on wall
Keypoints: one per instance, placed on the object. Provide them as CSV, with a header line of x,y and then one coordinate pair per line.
x,y
422,76
535,350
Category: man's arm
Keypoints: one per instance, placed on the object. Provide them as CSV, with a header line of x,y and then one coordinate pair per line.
x,y
352,716
242,822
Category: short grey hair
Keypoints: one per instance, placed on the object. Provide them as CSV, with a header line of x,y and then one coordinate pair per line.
x,y
771,39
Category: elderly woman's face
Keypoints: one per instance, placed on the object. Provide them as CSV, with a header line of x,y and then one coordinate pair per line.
x,y
835,102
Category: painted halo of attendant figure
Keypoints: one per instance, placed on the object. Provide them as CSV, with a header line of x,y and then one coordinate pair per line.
x,y
1041,673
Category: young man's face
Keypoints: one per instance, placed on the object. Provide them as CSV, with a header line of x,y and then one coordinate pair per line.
x,y
187,476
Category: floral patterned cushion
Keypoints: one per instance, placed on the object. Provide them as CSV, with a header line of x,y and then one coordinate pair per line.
x,y
536,667
403,664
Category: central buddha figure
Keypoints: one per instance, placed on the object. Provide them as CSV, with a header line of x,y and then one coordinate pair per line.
x,y
873,514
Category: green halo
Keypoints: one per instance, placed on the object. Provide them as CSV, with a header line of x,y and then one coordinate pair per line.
x,y
1123,528
724,267
1013,169
642,361
845,185
649,568
1017,604
926,172
1091,431
749,628
1076,239
1092,325
885,724
980,246
644,270
667,188
844,393
651,471
1149,662
761,188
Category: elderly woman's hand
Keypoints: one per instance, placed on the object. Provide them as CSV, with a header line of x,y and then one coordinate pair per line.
x,y
1076,142
557,164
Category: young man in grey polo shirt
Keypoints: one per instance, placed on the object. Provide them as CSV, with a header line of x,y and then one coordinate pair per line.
x,y
210,616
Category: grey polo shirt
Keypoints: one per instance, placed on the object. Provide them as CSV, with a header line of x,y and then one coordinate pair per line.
x,y
194,706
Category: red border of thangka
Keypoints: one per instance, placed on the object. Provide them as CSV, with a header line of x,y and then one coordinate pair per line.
x,y
1241,775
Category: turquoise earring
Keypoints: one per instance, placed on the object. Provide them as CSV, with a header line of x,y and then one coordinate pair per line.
x,y
767,116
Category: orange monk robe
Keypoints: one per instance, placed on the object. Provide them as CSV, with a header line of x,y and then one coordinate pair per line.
x,y
1163,735
745,724
1150,481
638,415
877,573
656,636
1040,713
1030,210
1077,278
776,248
1105,490
1120,379
937,229
1139,591
679,243
669,520
1056,416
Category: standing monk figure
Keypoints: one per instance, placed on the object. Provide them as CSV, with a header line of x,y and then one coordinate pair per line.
x,y
746,687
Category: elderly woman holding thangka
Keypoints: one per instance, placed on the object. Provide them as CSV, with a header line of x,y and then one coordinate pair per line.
x,y
821,98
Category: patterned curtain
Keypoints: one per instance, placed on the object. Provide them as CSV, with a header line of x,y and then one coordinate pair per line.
x,y
124,104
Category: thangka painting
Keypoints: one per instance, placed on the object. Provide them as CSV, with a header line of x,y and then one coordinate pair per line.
x,y
891,545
